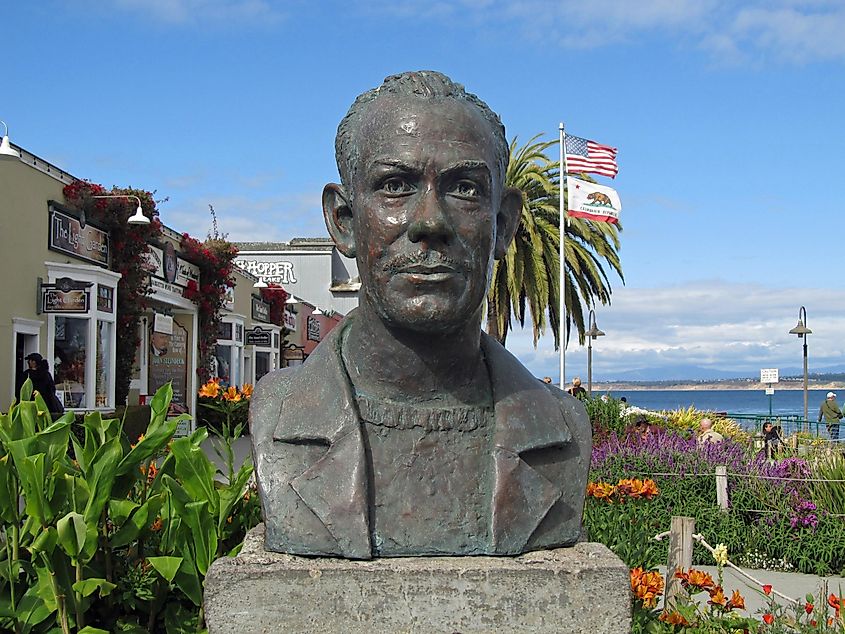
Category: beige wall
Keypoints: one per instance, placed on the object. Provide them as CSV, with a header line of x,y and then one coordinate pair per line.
x,y
24,192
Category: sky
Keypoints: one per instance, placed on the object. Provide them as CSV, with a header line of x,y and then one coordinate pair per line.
x,y
728,117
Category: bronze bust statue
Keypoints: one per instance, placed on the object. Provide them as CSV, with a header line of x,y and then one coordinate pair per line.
x,y
409,431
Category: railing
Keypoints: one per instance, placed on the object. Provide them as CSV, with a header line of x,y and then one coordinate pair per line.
x,y
788,423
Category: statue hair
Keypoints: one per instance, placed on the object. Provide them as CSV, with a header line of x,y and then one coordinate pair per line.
x,y
423,84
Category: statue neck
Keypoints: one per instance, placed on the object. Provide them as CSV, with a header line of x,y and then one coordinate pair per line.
x,y
415,367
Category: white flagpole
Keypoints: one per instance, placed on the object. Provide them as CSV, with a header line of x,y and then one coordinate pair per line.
x,y
562,300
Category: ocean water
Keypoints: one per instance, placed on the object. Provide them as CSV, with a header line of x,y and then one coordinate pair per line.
x,y
784,402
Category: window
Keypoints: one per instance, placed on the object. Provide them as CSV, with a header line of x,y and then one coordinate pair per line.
x,y
70,352
103,369
227,363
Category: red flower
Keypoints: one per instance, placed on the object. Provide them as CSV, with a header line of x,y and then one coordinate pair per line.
x,y
808,608
767,589
768,618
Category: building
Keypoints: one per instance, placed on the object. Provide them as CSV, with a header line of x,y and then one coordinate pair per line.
x,y
60,294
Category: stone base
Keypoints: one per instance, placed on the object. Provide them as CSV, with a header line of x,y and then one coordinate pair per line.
x,y
583,589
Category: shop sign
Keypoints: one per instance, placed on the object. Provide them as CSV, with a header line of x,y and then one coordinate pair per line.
x,y
169,362
277,272
65,296
258,337
313,329
167,266
289,320
260,310
70,235
105,298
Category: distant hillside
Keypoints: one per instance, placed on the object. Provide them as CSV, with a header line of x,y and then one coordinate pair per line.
x,y
691,374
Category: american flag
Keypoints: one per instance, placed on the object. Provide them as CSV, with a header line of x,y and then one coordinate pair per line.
x,y
587,156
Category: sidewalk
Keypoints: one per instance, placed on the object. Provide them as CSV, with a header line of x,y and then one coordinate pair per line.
x,y
793,584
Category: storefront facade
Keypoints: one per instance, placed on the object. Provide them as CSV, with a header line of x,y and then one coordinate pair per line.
x,y
58,292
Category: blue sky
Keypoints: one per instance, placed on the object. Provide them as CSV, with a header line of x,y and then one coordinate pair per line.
x,y
727,116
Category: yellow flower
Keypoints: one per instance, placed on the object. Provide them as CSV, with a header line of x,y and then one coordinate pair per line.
x,y
210,389
600,490
246,390
232,394
720,554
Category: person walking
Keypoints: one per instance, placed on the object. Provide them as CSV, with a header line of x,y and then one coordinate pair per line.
x,y
831,413
38,373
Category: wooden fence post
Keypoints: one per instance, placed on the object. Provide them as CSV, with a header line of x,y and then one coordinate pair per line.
x,y
680,554
722,487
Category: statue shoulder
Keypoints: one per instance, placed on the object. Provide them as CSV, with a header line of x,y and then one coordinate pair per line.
x,y
266,401
574,412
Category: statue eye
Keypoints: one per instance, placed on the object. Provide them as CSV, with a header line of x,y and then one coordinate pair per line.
x,y
465,189
396,186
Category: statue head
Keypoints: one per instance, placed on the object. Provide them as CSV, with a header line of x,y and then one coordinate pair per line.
x,y
422,203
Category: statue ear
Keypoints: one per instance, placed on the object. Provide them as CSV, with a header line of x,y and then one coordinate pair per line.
x,y
338,216
507,220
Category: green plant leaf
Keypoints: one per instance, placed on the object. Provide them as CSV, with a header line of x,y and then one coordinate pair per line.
x,y
231,493
32,474
167,567
195,472
188,581
138,522
103,469
8,491
86,587
203,534
92,630
72,530
119,510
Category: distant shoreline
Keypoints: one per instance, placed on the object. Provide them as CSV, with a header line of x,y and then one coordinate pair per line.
x,y
620,386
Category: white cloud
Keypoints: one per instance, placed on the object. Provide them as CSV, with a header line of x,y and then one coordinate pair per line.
x,y
244,218
719,325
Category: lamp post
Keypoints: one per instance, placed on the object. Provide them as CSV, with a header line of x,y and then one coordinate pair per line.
x,y
592,333
139,218
802,331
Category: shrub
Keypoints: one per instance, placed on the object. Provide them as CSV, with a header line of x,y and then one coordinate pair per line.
x,y
110,535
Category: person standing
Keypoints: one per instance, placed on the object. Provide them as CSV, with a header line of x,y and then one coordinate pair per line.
x,y
576,390
38,373
831,413
708,434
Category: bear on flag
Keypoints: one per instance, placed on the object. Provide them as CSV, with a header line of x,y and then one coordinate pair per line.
x,y
591,201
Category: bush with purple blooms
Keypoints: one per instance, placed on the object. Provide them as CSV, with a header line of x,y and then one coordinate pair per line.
x,y
771,510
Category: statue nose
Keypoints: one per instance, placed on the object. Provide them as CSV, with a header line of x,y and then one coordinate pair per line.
x,y
429,223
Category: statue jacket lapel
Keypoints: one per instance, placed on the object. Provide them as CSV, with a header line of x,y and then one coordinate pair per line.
x,y
335,489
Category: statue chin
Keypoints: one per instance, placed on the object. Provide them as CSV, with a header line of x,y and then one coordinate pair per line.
x,y
425,315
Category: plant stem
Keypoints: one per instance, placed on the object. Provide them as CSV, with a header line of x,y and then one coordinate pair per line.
x,y
77,598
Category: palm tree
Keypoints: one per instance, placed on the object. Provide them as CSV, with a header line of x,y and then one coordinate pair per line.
x,y
528,274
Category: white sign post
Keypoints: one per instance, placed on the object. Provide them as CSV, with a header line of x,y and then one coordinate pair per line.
x,y
769,376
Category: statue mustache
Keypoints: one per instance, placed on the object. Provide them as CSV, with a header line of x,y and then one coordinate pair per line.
x,y
427,258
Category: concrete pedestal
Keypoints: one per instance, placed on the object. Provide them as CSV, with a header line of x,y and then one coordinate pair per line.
x,y
583,589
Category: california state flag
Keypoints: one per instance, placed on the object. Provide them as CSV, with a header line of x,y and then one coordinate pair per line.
x,y
591,201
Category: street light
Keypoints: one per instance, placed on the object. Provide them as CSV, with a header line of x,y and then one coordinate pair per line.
x,y
260,284
592,333
139,218
802,331
5,148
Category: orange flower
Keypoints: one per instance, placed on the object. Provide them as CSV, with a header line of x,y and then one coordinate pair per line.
x,y
768,618
835,602
210,389
232,394
151,473
717,597
695,579
646,586
246,390
157,525
736,602
673,618
600,490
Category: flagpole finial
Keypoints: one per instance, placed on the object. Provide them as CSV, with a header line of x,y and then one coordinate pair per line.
x,y
560,126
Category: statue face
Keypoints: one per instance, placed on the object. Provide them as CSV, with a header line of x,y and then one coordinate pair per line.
x,y
425,211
